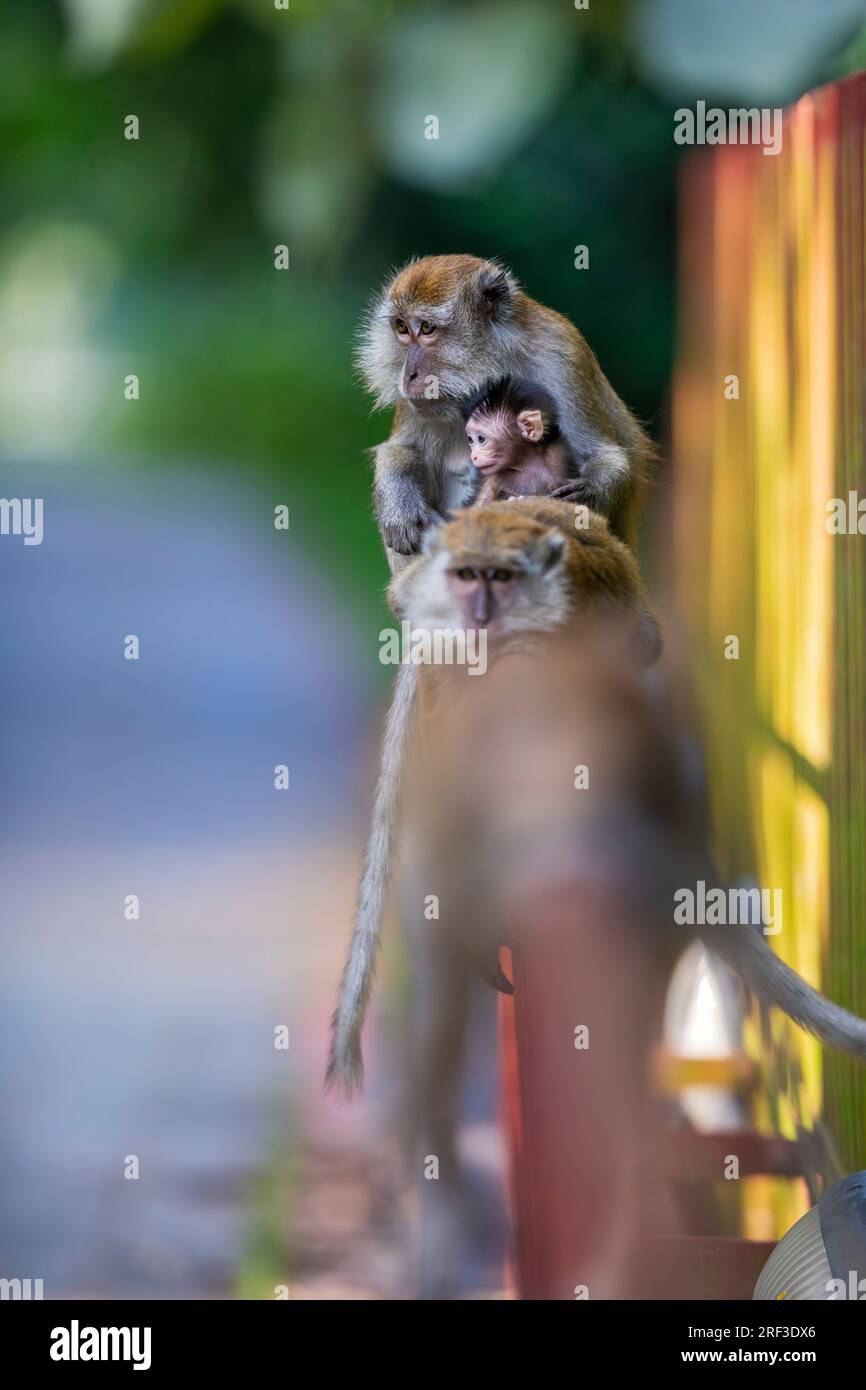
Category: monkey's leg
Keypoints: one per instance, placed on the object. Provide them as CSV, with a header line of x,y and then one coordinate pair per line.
x,y
442,1015
443,988
402,499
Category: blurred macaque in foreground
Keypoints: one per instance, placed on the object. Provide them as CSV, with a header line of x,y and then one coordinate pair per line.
x,y
544,805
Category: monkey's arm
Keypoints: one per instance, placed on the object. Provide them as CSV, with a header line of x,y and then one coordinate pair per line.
x,y
488,492
609,452
401,501
608,485
604,482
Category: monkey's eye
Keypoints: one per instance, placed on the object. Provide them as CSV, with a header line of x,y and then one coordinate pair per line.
x,y
467,575
482,439
400,326
426,327
500,576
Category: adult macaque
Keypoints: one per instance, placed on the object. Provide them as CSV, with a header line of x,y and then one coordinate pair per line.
x,y
517,570
514,441
440,329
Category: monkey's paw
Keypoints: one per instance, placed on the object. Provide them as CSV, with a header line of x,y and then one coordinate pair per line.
x,y
575,490
404,536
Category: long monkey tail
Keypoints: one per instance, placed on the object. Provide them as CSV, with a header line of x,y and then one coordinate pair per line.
x,y
774,982
345,1069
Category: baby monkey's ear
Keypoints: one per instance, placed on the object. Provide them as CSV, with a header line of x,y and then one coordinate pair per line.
x,y
532,425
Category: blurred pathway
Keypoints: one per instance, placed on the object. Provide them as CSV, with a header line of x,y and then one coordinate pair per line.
x,y
154,1037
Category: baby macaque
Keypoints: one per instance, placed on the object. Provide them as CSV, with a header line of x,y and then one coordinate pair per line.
x,y
515,441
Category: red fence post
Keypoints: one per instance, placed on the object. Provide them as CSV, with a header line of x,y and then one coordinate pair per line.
x,y
575,1114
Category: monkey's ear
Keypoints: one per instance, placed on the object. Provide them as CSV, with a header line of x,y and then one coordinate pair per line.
x,y
495,288
531,425
548,551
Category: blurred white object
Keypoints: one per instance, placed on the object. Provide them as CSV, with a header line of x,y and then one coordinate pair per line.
x,y
703,1020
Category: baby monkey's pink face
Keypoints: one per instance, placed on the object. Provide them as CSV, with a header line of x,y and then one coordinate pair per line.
x,y
490,443
498,441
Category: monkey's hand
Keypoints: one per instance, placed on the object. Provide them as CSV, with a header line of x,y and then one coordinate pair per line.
x,y
578,490
405,534
401,497
491,971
